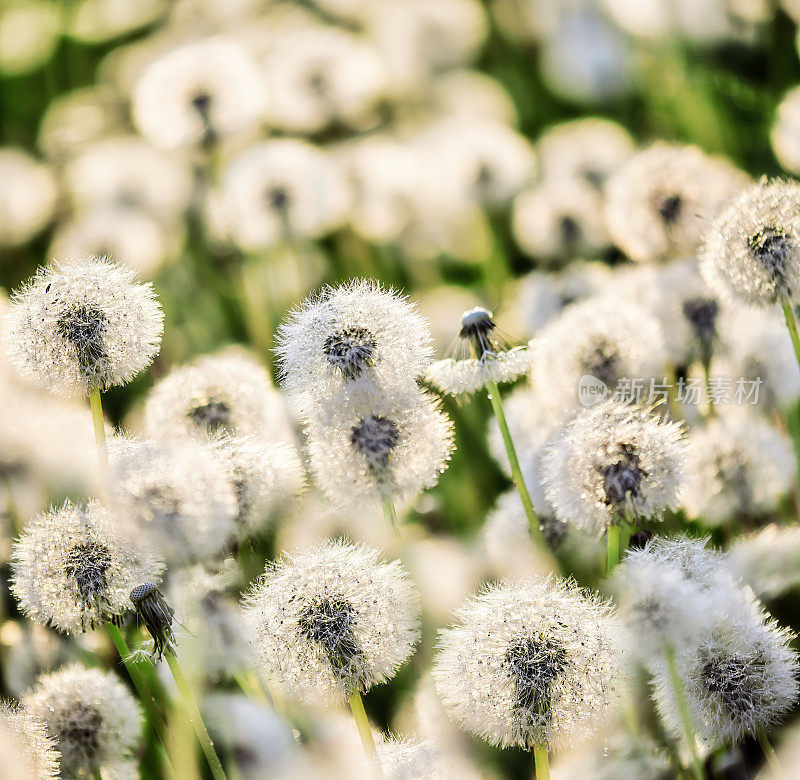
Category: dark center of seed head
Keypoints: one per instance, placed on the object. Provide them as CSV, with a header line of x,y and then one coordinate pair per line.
x,y
731,679
375,437
772,248
80,732
623,477
84,327
214,416
351,350
277,198
702,315
327,621
569,229
602,362
88,563
670,209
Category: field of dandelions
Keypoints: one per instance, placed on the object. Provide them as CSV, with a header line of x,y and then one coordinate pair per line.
x,y
399,389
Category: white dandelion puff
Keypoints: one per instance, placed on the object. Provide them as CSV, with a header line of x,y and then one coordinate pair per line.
x,y
178,496
225,393
768,561
93,718
417,759
739,677
357,331
28,195
784,136
30,742
74,566
332,620
492,361
384,447
530,663
198,94
738,466
751,252
611,461
658,202
82,325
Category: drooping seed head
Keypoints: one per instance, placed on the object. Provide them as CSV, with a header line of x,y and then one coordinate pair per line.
x,y
152,609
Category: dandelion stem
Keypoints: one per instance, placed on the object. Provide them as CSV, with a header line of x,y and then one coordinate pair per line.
x,y
791,323
516,471
711,407
612,551
97,421
686,715
390,513
541,761
769,753
195,718
362,722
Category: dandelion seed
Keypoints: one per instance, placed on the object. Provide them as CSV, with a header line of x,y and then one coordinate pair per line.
x,y
73,567
658,203
750,252
31,745
529,663
346,334
611,461
382,448
224,393
91,715
332,620
604,338
177,496
83,325
739,676
198,94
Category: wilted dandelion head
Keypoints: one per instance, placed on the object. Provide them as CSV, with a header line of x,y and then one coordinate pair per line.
x,y
225,393
388,447
265,477
33,747
658,202
198,94
73,567
612,461
249,735
751,252
329,620
357,331
738,466
604,338
83,324
92,716
152,609
179,497
739,676
484,357
529,662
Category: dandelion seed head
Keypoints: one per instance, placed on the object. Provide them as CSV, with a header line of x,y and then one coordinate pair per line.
x,y
332,619
225,393
658,202
610,460
37,757
153,610
751,251
177,496
82,324
738,465
73,567
607,339
27,196
417,759
768,561
784,134
357,332
388,447
93,718
529,662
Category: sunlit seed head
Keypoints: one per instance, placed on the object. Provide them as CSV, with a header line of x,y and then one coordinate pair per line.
x,y
28,196
768,560
92,716
37,757
533,661
72,567
350,350
751,251
80,325
611,461
329,620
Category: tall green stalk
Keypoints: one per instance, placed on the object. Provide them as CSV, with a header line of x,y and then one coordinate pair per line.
x,y
791,324
362,722
541,761
696,765
612,547
390,513
98,422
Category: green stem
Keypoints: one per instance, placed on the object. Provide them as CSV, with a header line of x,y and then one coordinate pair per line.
x,y
612,549
362,722
769,753
97,421
195,718
390,513
791,323
712,409
683,709
147,698
541,761
516,471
